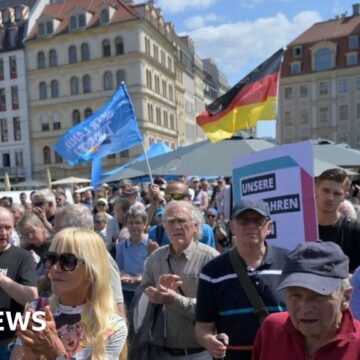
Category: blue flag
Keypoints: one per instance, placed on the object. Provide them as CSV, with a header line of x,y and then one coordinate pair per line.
x,y
110,130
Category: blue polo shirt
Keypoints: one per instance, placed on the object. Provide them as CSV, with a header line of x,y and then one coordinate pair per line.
x,y
131,257
222,300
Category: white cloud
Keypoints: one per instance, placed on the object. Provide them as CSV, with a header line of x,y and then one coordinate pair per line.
x,y
240,47
175,6
200,21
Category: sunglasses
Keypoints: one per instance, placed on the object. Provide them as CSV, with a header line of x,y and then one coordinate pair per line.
x,y
67,261
258,221
175,196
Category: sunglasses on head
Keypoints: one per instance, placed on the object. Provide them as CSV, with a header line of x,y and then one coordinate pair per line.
x,y
175,196
67,261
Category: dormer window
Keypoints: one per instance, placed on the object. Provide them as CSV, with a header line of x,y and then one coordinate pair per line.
x,y
49,27
297,52
41,29
353,42
82,20
104,16
73,22
12,33
79,20
18,13
5,15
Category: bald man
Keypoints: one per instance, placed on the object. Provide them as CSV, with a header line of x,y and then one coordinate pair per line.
x,y
17,279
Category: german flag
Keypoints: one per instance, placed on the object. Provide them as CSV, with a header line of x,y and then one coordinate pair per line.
x,y
251,99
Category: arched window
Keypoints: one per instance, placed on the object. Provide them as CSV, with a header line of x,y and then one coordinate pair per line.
x,y
104,16
54,87
46,155
56,121
85,52
172,122
107,81
42,90
171,95
49,27
72,54
148,79
88,112
76,117
44,120
52,58
86,80
120,76
74,85
119,45
82,20
40,60
106,48
323,59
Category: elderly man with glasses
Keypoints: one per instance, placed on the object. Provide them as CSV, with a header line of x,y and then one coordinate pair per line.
x,y
175,191
226,319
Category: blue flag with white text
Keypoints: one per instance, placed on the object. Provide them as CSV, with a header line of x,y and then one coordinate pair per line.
x,y
111,129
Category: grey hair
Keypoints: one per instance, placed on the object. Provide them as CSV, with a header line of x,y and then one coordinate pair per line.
x,y
46,194
74,215
136,212
196,215
344,285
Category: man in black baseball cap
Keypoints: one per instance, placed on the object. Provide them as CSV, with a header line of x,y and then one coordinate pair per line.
x,y
318,323
223,306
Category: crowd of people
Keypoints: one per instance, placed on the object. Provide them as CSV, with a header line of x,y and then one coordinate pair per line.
x,y
176,271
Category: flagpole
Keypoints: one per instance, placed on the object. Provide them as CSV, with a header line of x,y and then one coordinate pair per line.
x,y
147,163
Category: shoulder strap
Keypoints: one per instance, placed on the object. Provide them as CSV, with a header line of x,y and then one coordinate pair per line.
x,y
256,301
159,233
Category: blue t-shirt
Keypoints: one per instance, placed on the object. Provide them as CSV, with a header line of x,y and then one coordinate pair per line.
x,y
355,296
159,235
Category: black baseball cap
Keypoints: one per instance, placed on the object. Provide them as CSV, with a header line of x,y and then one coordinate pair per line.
x,y
315,265
259,206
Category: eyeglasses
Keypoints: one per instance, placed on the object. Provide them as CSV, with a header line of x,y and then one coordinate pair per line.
x,y
175,196
67,261
39,204
179,221
258,221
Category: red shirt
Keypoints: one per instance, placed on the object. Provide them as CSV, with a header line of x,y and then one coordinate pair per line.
x,y
277,339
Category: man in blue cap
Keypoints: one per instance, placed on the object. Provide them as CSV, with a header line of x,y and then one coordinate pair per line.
x,y
223,306
318,323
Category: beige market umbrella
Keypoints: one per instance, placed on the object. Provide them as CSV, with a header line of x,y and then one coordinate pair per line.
x,y
7,184
48,179
71,180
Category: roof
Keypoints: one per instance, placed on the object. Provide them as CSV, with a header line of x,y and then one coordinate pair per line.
x,y
62,9
331,29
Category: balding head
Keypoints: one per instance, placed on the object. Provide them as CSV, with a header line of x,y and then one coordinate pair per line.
x,y
6,228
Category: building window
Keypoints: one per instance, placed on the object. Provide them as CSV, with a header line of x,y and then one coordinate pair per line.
x,y
42,91
287,118
49,27
324,88
119,45
158,116
353,42
106,48
148,79
72,54
295,68
304,116
323,114
86,83
85,52
323,59
6,160
41,60
17,128
88,112
304,91
343,112
150,113
14,98
1,69
288,93
120,76
58,158
76,117
2,100
104,16
13,67
74,85
164,88
157,84
343,85
358,111
297,52
124,154
163,57
45,126
351,59
171,94
56,121
82,20
165,117
41,29
12,35
46,155
358,83
107,81
19,160
52,58
156,52
73,22
147,45
54,88
4,130
169,63
172,122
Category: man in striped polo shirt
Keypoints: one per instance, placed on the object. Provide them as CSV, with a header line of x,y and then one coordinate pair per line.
x,y
223,307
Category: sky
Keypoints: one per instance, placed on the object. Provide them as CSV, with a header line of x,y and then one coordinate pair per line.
x,y
240,34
